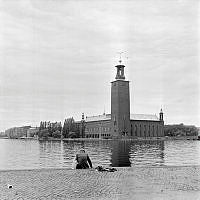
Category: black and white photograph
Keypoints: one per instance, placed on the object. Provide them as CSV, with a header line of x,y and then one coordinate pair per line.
x,y
99,100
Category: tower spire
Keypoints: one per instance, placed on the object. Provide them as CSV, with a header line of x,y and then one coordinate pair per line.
x,y
120,68
161,115
120,56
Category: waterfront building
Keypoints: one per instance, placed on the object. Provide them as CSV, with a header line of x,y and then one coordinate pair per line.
x,y
32,132
120,123
17,132
3,134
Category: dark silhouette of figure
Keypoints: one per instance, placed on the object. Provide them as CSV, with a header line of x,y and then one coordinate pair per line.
x,y
83,160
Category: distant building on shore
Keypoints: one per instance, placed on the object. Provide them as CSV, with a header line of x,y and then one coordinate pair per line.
x,y
23,131
120,123
32,132
198,132
2,134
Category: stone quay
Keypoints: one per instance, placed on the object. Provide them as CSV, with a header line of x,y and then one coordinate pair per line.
x,y
143,183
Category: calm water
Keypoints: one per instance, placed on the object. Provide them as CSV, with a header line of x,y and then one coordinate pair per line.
x,y
29,154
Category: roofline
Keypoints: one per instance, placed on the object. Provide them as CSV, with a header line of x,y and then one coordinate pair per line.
x,y
145,120
119,80
130,120
98,120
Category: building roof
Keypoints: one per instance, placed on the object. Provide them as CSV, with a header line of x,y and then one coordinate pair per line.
x,y
142,117
98,118
148,117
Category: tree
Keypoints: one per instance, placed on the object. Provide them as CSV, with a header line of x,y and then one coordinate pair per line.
x,y
43,134
64,129
69,127
180,130
41,125
72,135
53,127
56,134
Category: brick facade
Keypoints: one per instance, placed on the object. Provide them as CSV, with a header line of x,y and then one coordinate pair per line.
x,y
120,124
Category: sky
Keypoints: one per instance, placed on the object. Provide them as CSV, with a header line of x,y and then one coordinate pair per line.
x,y
58,57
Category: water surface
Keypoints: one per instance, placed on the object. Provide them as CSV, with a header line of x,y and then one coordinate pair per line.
x,y
29,154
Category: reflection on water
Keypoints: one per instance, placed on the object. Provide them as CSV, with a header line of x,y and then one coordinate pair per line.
x,y
28,154
127,153
121,154
148,153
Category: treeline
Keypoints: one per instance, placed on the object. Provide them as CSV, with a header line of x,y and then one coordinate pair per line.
x,y
180,130
3,134
70,129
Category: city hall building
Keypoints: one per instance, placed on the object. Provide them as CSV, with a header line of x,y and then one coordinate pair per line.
x,y
120,123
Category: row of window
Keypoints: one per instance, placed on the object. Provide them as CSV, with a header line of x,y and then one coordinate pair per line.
x,y
97,135
145,130
139,130
93,129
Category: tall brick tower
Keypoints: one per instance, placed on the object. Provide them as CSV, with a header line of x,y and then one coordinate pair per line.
x,y
120,105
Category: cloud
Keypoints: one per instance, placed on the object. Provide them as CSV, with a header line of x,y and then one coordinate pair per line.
x,y
58,57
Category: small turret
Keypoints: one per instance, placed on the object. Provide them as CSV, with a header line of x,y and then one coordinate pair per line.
x,y
83,117
82,126
161,115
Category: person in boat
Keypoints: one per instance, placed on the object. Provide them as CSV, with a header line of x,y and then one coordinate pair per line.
x,y
83,160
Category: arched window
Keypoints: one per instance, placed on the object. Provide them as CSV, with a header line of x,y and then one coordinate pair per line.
x,y
153,130
157,131
149,131
115,121
131,130
135,130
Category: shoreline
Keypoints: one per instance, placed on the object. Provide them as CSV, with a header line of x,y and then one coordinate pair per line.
x,y
124,168
110,139
171,182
